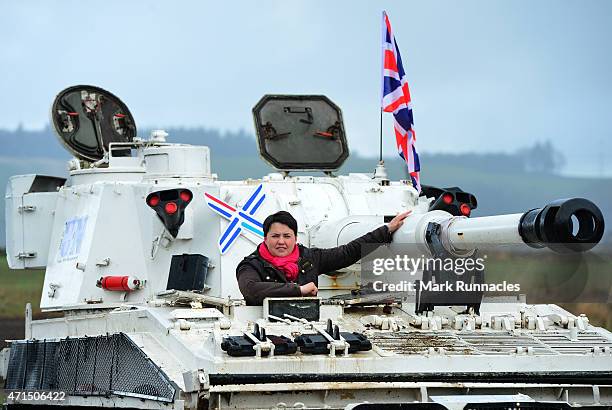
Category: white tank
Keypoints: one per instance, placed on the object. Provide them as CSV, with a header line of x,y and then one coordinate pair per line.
x,y
141,245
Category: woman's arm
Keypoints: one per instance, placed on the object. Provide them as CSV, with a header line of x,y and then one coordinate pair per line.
x,y
345,255
342,256
255,290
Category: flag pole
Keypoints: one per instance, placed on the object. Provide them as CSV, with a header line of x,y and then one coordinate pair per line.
x,y
380,173
382,68
381,138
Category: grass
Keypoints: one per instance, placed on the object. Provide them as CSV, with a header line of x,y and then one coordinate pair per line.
x,y
17,287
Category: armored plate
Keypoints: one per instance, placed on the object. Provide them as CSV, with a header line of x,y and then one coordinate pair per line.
x,y
87,119
300,132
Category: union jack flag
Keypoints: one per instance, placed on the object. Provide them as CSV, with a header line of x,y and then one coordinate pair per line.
x,y
396,99
239,218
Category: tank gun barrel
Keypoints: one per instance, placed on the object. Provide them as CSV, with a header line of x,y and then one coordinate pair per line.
x,y
565,225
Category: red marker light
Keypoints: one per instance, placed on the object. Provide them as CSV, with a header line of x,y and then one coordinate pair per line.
x,y
447,198
465,209
185,196
171,208
153,201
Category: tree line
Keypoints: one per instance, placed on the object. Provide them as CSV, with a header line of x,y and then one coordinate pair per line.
x,y
541,157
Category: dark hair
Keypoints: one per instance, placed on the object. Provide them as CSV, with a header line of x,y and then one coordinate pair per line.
x,y
282,217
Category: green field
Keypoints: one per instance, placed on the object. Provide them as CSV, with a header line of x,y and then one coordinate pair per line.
x,y
17,287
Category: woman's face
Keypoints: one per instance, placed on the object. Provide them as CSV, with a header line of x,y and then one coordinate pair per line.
x,y
280,239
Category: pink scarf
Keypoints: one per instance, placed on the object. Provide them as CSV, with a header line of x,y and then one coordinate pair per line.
x,y
287,264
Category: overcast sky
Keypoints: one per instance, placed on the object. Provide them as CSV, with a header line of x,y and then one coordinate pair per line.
x,y
484,75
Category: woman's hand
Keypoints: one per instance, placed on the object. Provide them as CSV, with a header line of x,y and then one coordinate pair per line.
x,y
395,223
309,289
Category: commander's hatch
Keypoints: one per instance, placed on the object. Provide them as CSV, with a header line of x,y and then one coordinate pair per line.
x,y
87,119
300,132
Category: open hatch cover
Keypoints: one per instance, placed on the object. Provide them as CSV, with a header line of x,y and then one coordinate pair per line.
x,y
87,119
300,132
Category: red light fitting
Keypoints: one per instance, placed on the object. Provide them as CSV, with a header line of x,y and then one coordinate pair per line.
x,y
185,196
448,198
465,209
153,201
171,208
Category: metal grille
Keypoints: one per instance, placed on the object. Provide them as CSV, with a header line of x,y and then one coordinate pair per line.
x,y
87,366
30,364
504,343
489,343
66,365
149,381
102,379
15,377
421,342
48,375
562,343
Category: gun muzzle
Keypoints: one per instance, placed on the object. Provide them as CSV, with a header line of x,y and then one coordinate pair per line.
x,y
565,225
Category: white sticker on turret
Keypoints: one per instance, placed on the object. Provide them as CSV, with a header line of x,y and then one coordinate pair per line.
x,y
70,246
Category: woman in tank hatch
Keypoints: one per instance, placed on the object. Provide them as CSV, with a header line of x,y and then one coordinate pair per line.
x,y
280,267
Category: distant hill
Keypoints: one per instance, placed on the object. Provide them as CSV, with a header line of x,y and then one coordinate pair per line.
x,y
503,183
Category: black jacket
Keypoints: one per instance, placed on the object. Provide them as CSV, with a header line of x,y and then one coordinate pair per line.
x,y
258,279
